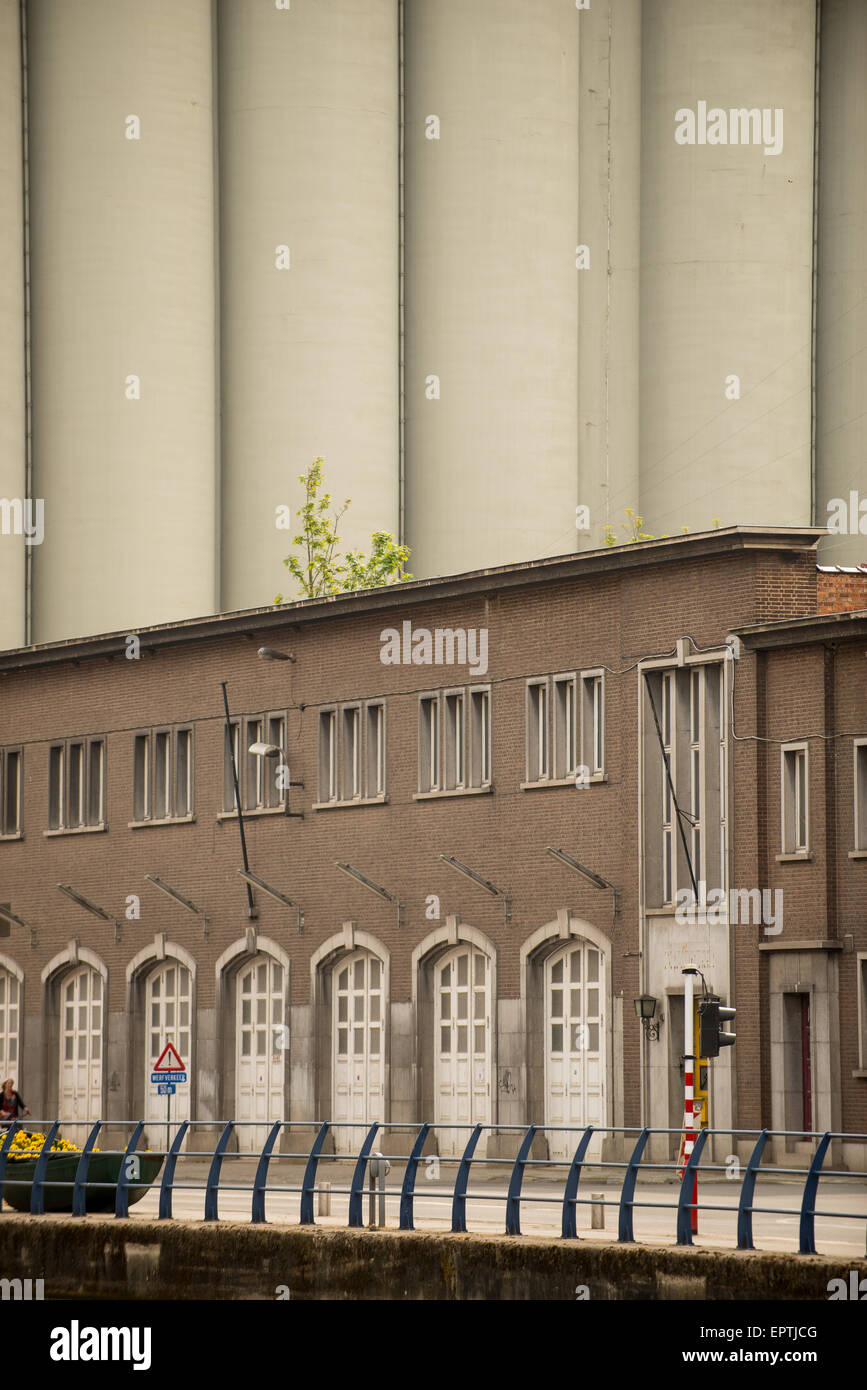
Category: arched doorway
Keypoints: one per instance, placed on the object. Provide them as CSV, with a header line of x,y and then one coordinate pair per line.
x,y
462,1044
260,1049
575,995
168,1019
358,1045
82,1019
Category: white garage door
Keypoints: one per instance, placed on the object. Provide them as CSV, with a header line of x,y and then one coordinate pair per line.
x,y
575,1044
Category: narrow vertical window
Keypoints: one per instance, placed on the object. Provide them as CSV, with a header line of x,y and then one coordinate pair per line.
x,y
96,782
537,731
352,753
76,783
55,787
10,811
254,785
695,747
141,777
162,775
794,794
275,794
565,744
480,738
429,744
328,755
861,795
454,709
667,826
375,750
593,724
183,773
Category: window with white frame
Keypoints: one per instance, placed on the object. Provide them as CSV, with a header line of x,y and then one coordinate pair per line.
x,y
429,743
538,769
861,982
76,784
374,718
480,737
794,795
684,759
860,777
565,726
261,779
593,722
10,791
454,740
352,753
162,775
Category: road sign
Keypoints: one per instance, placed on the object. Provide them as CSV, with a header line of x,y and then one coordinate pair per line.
x,y
172,1077
169,1060
166,1088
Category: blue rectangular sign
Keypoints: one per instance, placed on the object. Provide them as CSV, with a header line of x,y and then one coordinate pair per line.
x,y
166,1088
175,1076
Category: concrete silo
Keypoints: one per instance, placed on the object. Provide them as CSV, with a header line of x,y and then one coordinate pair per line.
x,y
841,387
123,321
13,448
308,118
726,262
492,225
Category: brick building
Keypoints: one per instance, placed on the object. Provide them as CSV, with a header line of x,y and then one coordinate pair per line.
x,y
476,723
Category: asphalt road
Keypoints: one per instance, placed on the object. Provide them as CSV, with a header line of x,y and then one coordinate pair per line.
x,y
541,1205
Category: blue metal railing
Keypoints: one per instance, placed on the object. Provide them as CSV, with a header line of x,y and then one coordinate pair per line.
x,y
626,1203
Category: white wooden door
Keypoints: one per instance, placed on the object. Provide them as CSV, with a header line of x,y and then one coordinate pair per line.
x,y
574,1045
358,1083
462,1046
9,1002
260,1055
168,1019
81,1024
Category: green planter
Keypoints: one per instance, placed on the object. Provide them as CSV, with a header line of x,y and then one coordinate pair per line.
x,y
62,1168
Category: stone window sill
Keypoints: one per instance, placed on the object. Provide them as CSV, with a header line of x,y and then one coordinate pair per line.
x,y
595,778
804,857
858,854
348,805
454,791
248,815
76,830
17,835
167,820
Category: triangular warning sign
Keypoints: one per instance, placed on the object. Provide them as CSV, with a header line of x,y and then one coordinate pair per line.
x,y
169,1060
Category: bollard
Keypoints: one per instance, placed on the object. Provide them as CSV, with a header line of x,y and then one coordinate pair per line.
x,y
597,1211
325,1199
378,1167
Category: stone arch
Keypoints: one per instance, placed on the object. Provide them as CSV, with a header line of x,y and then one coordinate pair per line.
x,y
70,958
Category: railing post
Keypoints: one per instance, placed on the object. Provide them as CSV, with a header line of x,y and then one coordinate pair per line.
x,y
79,1199
569,1227
748,1188
308,1182
169,1172
121,1195
808,1204
627,1192
459,1197
407,1191
37,1195
513,1201
356,1187
261,1178
212,1189
684,1205
4,1153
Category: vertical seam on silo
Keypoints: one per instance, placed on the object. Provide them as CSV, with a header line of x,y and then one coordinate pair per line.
x,y
814,269
28,404
217,282
401,277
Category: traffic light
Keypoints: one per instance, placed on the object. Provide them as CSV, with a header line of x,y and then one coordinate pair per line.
x,y
711,1015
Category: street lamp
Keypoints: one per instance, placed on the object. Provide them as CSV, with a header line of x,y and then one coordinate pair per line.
x,y
645,1009
269,654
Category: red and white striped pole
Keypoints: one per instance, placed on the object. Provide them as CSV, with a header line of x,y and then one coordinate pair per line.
x,y
689,1116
